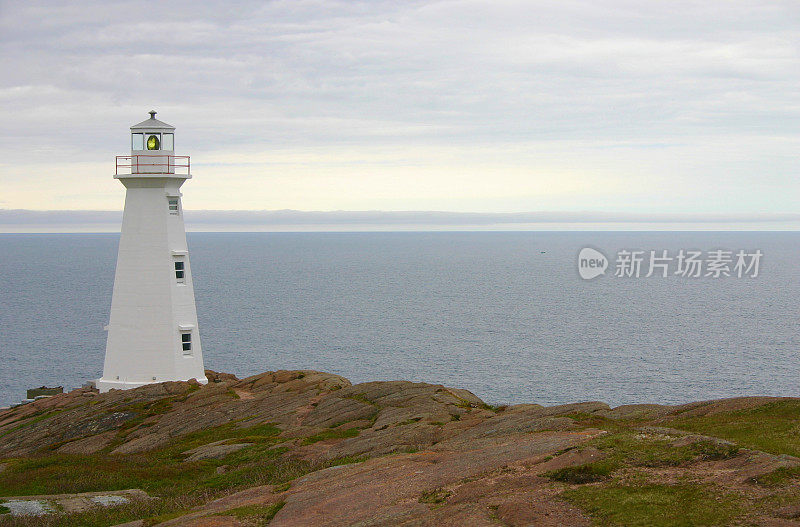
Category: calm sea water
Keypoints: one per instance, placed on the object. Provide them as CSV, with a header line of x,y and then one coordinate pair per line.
x,y
502,314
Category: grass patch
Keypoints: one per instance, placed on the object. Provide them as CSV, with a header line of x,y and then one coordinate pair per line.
x,y
656,505
777,477
713,451
161,518
260,433
773,427
331,434
258,514
360,397
62,474
281,488
595,421
162,472
179,486
154,510
435,496
581,474
632,449
4,510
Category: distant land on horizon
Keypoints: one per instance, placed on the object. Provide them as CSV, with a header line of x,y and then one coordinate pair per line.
x,y
23,220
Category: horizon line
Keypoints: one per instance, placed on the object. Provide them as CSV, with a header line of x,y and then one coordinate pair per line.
x,y
27,221
372,216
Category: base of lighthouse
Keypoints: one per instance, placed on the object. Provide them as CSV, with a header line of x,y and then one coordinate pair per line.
x,y
103,385
153,333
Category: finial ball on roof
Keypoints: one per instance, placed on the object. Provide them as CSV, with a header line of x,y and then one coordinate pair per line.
x,y
152,114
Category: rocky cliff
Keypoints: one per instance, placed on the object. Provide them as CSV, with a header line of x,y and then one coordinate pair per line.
x,y
308,448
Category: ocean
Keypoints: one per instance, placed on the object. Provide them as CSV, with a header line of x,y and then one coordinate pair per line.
x,y
503,314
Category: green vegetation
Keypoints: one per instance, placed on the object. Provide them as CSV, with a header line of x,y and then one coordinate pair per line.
x,y
435,496
772,427
178,484
332,434
162,472
633,449
623,486
777,477
258,514
282,488
165,508
360,397
628,494
578,475
656,505
604,423
714,451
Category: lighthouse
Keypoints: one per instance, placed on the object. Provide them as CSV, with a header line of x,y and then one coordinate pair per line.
x,y
152,331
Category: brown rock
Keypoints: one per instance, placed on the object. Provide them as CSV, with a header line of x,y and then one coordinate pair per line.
x,y
721,405
334,410
636,411
571,458
88,445
790,512
214,377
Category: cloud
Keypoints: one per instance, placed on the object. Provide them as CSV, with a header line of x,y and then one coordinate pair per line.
x,y
658,95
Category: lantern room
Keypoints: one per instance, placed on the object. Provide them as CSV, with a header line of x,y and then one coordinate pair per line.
x,y
152,150
152,136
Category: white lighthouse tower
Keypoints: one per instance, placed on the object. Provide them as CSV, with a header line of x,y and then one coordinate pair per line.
x,y
152,332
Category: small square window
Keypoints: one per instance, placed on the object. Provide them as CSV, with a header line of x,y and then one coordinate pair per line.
x,y
180,271
167,142
174,206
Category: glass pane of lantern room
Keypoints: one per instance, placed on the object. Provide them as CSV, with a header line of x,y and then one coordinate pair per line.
x,y
153,141
166,142
137,141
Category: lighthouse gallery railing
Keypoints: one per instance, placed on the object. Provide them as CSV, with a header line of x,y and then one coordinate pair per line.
x,y
152,164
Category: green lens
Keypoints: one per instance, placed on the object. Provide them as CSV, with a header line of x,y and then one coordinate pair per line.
x,y
152,143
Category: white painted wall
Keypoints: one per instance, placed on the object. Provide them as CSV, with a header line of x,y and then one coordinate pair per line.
x,y
150,306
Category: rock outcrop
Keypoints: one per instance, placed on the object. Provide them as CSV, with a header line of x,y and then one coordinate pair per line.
x,y
382,453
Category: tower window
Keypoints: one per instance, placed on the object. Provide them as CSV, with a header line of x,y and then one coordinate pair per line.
x,y
137,141
173,206
154,142
167,142
180,271
186,342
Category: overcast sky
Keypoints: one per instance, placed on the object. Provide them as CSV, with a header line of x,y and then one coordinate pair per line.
x,y
487,106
